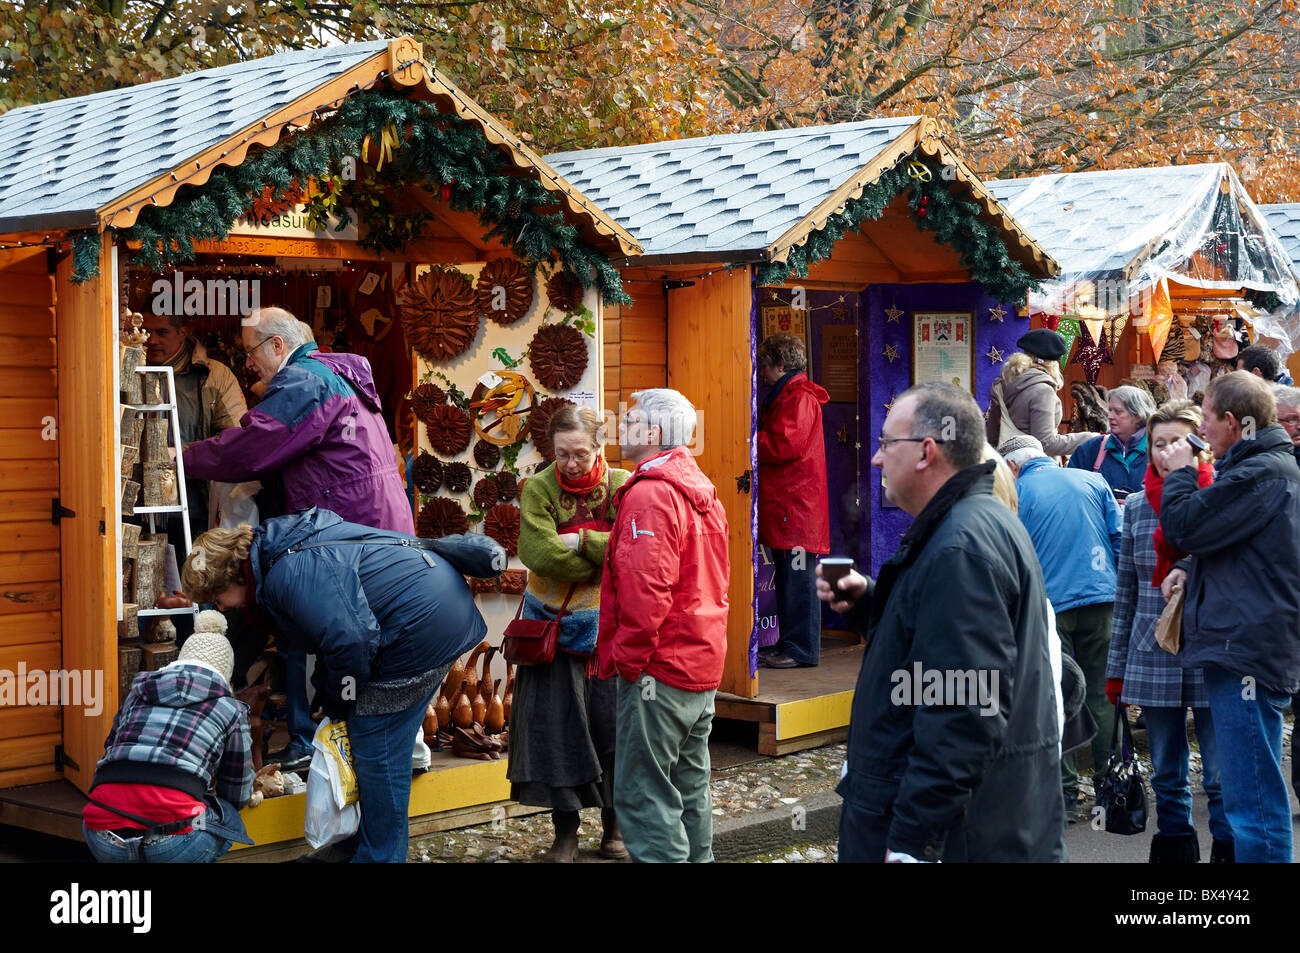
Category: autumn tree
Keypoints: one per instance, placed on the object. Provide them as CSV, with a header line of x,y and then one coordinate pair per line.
x,y
1052,85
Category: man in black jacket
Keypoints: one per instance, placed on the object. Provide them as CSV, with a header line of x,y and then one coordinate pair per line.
x,y
954,743
1241,618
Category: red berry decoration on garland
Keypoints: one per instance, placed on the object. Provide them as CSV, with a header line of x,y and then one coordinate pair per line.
x,y
924,207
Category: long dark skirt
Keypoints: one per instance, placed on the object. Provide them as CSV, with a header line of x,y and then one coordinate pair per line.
x,y
562,736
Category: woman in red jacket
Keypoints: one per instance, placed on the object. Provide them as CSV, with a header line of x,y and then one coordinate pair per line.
x,y
793,514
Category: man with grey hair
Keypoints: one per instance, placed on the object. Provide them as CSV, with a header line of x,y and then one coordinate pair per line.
x,y
1288,416
1120,456
1072,517
930,776
663,632
318,425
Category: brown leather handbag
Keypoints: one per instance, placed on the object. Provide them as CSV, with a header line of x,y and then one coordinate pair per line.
x,y
533,641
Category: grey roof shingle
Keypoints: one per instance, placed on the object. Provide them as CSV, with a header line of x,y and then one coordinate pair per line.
x,y
666,193
1284,219
75,155
1094,223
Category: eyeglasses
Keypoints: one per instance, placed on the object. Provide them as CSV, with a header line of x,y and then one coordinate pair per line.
x,y
886,441
249,352
581,459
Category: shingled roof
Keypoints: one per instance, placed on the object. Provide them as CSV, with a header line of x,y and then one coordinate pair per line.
x,y
752,196
72,156
99,159
1284,219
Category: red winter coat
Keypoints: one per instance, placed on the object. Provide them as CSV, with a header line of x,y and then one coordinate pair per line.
x,y
792,499
663,596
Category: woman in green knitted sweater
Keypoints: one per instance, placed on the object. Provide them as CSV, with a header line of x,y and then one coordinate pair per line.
x,y
562,718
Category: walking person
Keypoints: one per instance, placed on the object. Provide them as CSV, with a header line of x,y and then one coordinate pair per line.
x,y
1140,672
563,716
386,615
1120,456
1288,417
793,508
970,778
1074,522
663,632
1241,621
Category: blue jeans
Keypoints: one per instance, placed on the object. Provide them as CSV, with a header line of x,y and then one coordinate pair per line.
x,y
1249,735
1167,736
301,728
196,847
798,610
381,757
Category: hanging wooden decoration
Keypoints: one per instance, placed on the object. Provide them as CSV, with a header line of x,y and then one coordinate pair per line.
x,y
506,486
439,314
539,420
502,524
558,354
486,493
449,429
501,412
505,290
426,473
441,517
426,397
487,455
564,291
456,477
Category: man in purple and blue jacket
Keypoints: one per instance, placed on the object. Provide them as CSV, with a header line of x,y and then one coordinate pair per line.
x,y
318,423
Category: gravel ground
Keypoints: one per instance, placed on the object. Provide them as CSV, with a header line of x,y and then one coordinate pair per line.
x,y
760,784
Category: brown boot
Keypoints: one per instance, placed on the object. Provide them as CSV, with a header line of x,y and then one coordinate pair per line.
x,y
565,848
611,840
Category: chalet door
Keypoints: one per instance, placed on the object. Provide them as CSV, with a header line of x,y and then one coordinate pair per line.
x,y
29,538
710,360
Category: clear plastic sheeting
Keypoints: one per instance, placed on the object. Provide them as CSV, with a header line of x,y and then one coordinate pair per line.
x,y
1117,233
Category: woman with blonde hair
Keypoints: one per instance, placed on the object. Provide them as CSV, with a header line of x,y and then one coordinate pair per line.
x,y
1023,399
384,613
563,716
1139,672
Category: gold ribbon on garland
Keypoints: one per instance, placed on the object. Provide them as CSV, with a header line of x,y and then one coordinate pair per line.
x,y
388,141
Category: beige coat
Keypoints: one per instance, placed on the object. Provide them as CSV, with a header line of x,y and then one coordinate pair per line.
x,y
1035,409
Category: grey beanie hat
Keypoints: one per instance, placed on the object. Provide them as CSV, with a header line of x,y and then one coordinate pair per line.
x,y
210,649
1018,442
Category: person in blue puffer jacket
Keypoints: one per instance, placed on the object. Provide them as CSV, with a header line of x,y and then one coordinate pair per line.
x,y
385,613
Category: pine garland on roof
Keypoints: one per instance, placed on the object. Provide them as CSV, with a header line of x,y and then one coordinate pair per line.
x,y
935,208
435,151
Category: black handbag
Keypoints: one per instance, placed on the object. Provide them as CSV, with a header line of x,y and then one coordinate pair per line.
x,y
1121,796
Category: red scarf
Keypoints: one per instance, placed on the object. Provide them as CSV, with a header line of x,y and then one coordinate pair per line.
x,y
585,484
1166,553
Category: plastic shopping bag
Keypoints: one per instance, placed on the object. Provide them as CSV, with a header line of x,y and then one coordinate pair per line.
x,y
333,810
331,742
230,504
324,822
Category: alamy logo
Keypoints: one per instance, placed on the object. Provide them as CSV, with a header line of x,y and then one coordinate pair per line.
x,y
946,688
76,906
82,688
213,296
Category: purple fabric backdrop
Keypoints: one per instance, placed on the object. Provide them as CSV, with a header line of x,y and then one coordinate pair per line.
x,y
883,526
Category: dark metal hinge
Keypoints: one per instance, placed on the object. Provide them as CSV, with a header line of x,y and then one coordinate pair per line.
x,y
58,511
742,482
61,758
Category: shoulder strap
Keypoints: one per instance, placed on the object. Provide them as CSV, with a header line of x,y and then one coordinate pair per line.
x,y
560,615
1101,454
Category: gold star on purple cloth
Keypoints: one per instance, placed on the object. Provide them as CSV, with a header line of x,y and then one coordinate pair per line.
x,y
891,352
842,435
994,355
997,314
892,314
890,406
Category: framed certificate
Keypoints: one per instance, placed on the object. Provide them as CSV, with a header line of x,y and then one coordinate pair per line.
x,y
943,348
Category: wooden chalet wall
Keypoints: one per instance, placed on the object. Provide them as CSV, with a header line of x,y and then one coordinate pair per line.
x,y
635,349
88,485
29,481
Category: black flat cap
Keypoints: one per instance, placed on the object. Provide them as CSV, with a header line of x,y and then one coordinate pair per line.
x,y
1042,342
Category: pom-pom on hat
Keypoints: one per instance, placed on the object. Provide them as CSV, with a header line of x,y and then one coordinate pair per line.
x,y
209,645
1042,343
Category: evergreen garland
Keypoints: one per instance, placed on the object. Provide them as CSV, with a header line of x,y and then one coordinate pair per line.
x,y
935,208
437,149
85,255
